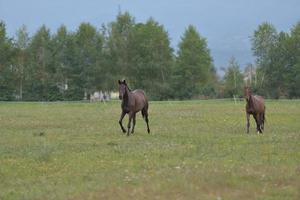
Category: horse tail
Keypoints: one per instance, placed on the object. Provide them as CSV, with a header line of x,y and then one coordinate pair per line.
x,y
143,113
145,110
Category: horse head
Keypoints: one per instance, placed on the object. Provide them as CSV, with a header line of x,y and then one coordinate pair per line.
x,y
247,92
122,89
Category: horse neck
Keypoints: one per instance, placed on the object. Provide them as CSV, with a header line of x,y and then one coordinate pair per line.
x,y
126,96
128,92
251,101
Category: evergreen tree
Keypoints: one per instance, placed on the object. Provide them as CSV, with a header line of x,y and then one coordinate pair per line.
x,y
119,45
39,80
7,87
293,78
88,47
151,59
194,65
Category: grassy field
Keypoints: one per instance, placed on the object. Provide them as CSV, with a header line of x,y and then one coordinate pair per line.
x,y
196,150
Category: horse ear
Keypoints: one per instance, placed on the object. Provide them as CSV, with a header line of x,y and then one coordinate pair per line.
x,y
124,82
119,82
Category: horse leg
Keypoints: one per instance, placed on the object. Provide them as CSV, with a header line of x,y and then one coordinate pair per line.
x,y
248,121
255,117
133,120
263,122
145,116
120,121
129,122
258,123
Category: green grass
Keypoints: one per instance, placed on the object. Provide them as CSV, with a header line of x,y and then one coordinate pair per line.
x,y
196,150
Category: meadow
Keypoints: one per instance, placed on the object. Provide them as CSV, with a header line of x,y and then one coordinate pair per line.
x,y
196,150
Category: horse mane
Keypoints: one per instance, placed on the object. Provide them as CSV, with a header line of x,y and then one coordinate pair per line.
x,y
128,87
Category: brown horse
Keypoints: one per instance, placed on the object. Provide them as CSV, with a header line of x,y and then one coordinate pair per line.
x,y
132,102
255,106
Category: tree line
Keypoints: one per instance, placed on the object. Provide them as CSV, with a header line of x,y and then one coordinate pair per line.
x,y
69,65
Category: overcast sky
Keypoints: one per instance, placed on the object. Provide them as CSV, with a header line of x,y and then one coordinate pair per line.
x,y
227,25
